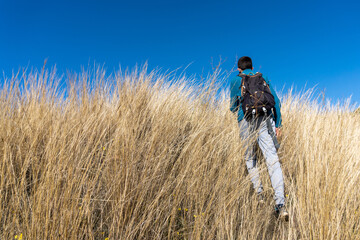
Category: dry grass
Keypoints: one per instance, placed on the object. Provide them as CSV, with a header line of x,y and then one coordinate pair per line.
x,y
134,157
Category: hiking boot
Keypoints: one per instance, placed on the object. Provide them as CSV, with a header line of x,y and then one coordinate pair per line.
x,y
281,212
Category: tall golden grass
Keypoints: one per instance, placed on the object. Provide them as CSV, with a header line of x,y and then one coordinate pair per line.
x,y
141,155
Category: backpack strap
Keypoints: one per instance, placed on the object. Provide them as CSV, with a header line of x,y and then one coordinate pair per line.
x,y
272,134
257,73
242,87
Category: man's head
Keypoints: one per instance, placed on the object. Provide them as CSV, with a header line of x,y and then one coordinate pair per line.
x,y
244,63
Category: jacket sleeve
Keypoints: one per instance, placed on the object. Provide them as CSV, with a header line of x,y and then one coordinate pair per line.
x,y
277,113
234,98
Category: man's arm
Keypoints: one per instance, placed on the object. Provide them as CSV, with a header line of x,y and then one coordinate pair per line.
x,y
234,99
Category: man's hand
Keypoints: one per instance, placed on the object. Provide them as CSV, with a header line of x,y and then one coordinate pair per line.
x,y
278,132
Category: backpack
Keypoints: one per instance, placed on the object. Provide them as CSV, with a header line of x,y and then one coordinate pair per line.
x,y
256,97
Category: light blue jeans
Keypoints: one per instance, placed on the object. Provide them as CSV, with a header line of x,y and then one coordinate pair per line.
x,y
267,147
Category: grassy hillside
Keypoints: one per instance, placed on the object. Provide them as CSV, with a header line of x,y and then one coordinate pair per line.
x,y
135,157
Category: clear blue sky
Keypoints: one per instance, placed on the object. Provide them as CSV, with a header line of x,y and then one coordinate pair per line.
x,y
293,42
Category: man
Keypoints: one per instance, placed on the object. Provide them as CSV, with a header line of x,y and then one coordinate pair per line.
x,y
258,110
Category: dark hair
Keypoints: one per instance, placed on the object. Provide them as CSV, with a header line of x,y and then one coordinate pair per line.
x,y
245,63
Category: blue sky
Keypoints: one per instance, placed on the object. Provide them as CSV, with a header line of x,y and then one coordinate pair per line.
x,y
295,43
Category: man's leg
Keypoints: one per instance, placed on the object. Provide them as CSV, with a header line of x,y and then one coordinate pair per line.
x,y
267,147
250,157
